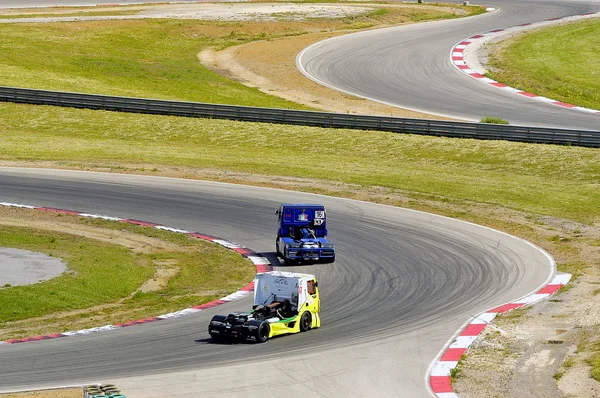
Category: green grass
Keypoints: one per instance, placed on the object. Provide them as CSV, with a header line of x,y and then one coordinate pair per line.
x,y
493,120
97,273
595,364
574,268
589,345
515,315
153,59
456,372
559,62
568,363
594,361
100,273
542,179
558,375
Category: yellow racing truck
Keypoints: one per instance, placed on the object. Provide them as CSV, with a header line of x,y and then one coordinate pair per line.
x,y
284,303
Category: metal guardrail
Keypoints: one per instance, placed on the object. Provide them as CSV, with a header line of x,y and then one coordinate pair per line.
x,y
439,128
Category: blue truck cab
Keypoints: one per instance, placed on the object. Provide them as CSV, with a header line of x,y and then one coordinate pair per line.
x,y
302,234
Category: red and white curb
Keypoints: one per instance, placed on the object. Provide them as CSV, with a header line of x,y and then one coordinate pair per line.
x,y
467,63
262,265
440,370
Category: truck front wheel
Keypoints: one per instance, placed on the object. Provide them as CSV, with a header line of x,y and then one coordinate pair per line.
x,y
305,321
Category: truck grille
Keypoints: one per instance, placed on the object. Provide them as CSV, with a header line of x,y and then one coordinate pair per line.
x,y
310,253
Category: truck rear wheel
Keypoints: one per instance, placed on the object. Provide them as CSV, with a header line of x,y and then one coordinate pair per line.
x,y
262,332
217,339
288,261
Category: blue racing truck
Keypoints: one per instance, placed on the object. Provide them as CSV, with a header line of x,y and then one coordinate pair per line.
x,y
302,234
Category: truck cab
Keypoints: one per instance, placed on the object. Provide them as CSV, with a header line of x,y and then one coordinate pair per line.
x,y
302,234
284,303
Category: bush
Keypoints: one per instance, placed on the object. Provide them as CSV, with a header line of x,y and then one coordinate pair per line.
x,y
493,120
594,362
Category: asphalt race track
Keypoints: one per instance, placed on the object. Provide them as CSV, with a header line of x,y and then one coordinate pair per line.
x,y
409,66
402,284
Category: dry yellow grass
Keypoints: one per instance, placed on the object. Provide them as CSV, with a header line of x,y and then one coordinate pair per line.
x,y
58,393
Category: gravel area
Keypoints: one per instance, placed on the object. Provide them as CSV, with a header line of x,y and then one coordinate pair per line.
x,y
22,267
202,11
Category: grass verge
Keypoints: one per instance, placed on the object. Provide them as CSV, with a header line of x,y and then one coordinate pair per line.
x,y
558,62
594,361
68,14
542,179
116,272
493,120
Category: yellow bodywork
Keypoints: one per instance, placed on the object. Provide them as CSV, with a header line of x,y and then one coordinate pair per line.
x,y
292,325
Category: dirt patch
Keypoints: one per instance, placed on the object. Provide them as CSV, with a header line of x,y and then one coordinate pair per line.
x,y
59,393
536,352
50,222
160,279
541,351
